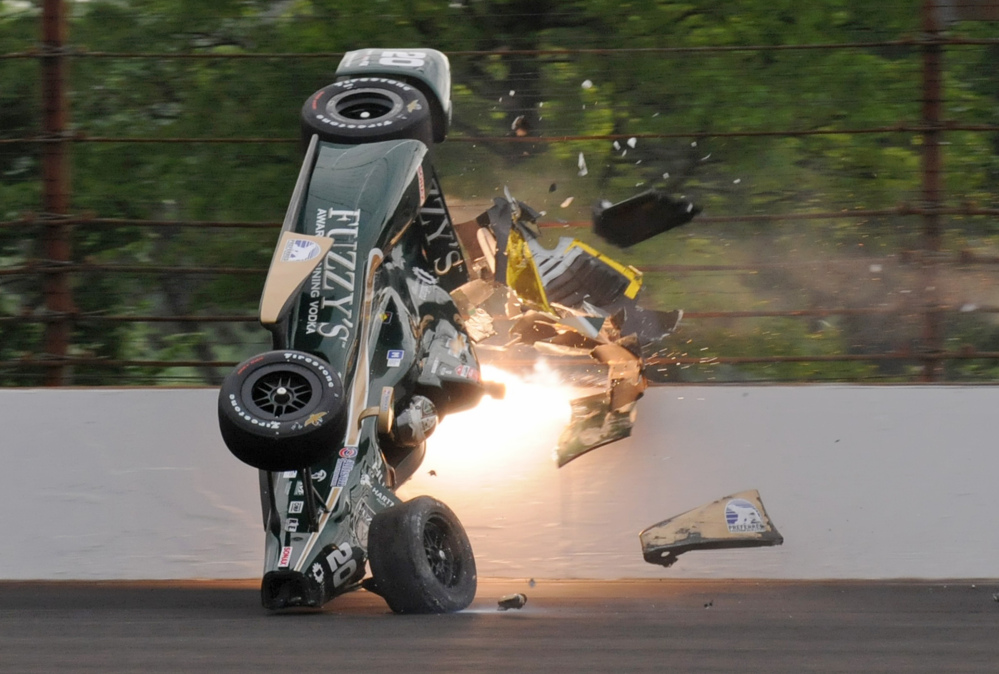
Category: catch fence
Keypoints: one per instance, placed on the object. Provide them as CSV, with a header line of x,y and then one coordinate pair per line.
x,y
841,240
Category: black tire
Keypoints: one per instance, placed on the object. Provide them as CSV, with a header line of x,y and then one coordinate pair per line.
x,y
366,110
282,410
421,559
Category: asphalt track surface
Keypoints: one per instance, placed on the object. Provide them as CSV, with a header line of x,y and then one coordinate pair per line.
x,y
566,626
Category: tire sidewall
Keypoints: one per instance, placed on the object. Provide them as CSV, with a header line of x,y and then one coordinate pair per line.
x,y
328,394
409,118
399,561
293,441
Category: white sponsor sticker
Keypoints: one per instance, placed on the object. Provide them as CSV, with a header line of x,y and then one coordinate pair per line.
x,y
342,472
743,517
295,507
300,250
395,357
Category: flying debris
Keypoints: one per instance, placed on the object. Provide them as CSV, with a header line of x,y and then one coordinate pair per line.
x,y
515,601
736,521
641,217
632,142
587,84
565,300
582,165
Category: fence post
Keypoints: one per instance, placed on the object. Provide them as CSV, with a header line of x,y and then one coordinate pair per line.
x,y
56,242
932,192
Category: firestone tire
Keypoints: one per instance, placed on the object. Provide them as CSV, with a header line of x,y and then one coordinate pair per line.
x,y
282,410
367,110
421,559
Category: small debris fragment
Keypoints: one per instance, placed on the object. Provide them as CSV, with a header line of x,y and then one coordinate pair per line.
x,y
617,146
737,181
512,601
567,202
532,583
552,188
666,175
587,84
709,604
433,473
520,127
632,142
995,597
582,165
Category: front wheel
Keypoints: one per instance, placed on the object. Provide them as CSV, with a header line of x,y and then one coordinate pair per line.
x,y
282,410
421,558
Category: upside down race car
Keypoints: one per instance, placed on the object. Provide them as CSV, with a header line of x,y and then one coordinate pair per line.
x,y
368,350
374,298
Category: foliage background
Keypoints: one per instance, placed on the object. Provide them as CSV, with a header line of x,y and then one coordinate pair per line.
x,y
583,68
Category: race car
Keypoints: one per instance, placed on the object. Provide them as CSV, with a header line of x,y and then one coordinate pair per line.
x,y
368,351
373,299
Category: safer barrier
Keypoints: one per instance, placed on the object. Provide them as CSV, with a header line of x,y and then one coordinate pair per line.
x,y
863,482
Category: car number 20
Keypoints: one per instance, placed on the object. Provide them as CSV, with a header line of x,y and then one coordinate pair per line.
x,y
342,564
402,59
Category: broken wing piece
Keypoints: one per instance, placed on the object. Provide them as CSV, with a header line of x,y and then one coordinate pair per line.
x,y
594,423
736,521
641,217
605,417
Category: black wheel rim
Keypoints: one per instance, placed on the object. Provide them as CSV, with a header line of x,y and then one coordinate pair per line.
x,y
281,393
439,546
365,105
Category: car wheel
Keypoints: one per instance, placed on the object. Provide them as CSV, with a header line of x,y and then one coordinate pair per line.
x,y
282,410
421,559
367,110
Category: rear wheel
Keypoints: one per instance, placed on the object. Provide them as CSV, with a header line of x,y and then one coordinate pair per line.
x,y
281,410
421,558
367,110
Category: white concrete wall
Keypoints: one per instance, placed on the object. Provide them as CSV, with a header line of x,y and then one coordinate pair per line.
x,y
863,482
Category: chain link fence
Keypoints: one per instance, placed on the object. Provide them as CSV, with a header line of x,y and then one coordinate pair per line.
x,y
849,230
